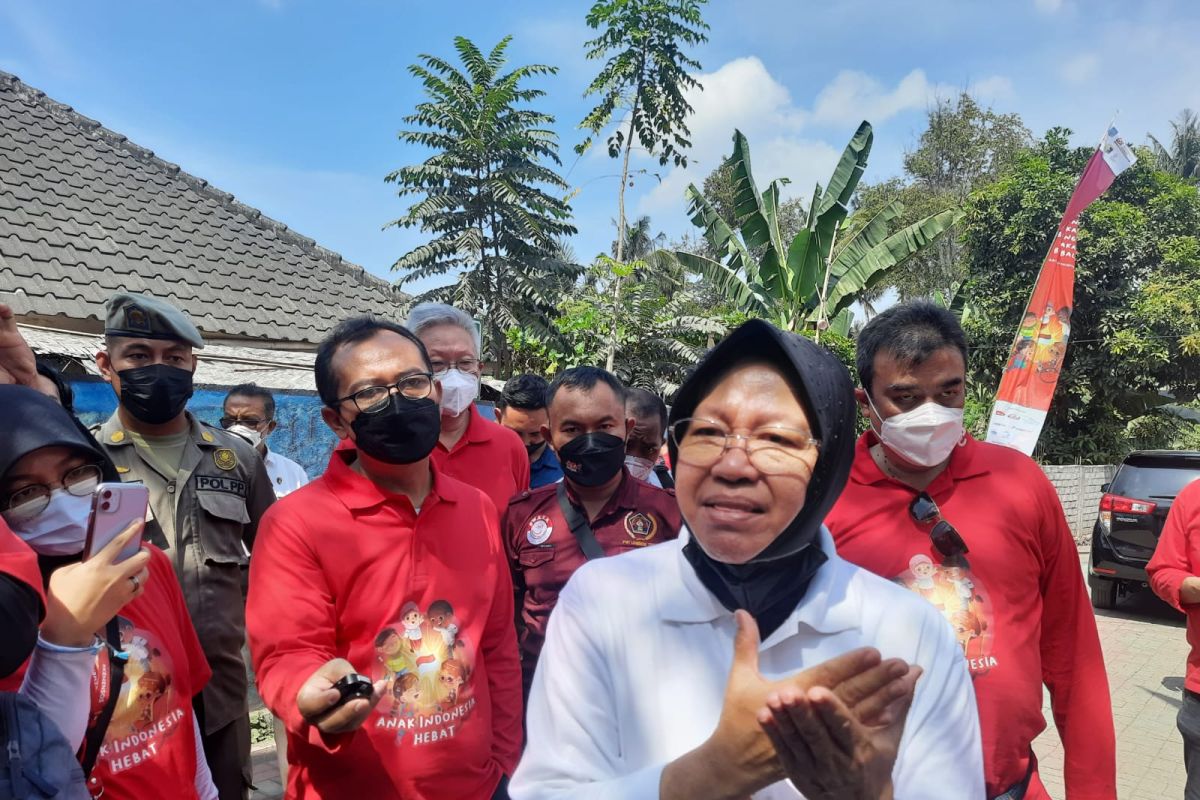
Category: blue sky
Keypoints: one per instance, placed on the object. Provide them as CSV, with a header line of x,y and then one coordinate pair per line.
x,y
293,105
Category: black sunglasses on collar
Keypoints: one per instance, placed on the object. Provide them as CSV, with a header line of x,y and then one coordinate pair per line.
x,y
945,538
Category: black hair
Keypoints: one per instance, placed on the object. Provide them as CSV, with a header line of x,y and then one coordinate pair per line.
x,y
644,403
526,392
254,390
585,378
353,331
384,635
912,332
66,395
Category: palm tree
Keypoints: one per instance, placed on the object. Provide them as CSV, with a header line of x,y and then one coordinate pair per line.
x,y
1183,157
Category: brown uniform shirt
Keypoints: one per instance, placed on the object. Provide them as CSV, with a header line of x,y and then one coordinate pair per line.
x,y
544,553
205,518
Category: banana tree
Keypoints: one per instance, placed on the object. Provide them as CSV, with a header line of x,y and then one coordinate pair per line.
x,y
813,279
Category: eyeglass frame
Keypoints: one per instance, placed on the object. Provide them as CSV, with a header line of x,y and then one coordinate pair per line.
x,y
428,376
945,537
811,443
61,484
243,421
458,365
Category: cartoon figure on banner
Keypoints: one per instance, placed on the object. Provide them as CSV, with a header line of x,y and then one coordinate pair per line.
x,y
952,589
428,667
1022,356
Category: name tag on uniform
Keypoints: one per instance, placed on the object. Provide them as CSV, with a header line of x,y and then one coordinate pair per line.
x,y
214,483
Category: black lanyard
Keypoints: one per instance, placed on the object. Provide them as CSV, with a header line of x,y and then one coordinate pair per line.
x,y
579,526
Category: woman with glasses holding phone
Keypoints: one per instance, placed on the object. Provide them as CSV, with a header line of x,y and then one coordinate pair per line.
x,y
112,625
746,658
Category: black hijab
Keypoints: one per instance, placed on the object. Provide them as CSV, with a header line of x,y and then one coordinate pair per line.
x,y
31,421
771,584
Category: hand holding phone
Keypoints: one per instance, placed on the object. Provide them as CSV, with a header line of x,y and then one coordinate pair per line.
x,y
114,507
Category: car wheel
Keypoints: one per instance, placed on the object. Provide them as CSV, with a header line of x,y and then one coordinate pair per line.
x,y
1104,593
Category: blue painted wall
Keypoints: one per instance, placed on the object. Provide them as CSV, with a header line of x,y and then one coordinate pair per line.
x,y
301,436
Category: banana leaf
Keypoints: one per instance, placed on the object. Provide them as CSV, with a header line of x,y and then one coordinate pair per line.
x,y
718,234
746,295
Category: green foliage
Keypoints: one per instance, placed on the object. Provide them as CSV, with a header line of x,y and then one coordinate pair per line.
x,y
963,148
811,278
1182,158
484,193
1137,289
646,71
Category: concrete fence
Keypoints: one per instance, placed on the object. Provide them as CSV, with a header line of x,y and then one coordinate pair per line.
x,y
1078,488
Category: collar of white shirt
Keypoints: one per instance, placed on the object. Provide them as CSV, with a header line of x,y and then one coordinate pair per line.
x,y
830,605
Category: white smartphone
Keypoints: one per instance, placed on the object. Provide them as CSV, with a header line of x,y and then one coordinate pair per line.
x,y
114,507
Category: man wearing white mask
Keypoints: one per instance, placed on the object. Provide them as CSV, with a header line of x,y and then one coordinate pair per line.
x,y
249,411
932,508
474,450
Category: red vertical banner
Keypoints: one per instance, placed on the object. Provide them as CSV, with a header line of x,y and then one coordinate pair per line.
x,y
1040,346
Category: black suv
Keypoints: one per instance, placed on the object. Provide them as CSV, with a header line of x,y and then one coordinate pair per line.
x,y
1132,512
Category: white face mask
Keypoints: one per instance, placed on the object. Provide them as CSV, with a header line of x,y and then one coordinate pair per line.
x,y
246,432
639,468
459,390
925,436
59,530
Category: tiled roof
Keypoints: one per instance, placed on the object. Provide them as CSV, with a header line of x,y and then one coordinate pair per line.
x,y
84,212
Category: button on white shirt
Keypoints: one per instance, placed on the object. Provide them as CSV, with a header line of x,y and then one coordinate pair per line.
x,y
286,475
637,654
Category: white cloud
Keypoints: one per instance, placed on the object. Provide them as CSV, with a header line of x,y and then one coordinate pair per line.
x,y
1048,6
1081,68
993,89
854,96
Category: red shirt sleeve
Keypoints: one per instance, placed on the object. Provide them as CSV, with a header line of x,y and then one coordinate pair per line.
x,y
1072,662
290,619
1171,562
520,465
199,671
499,648
19,561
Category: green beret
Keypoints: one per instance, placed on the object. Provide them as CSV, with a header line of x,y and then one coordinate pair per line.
x,y
137,316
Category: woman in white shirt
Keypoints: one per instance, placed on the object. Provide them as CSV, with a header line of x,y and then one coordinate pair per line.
x,y
651,686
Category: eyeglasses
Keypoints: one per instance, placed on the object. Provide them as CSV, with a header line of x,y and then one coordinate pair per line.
x,y
440,368
772,449
945,538
29,501
253,422
374,399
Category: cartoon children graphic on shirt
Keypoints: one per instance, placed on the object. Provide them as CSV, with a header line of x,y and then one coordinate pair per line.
x,y
964,587
441,617
924,581
391,652
452,678
406,693
150,688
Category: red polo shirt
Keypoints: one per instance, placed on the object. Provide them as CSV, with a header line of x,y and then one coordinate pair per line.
x,y
1177,557
544,553
1020,608
342,569
489,457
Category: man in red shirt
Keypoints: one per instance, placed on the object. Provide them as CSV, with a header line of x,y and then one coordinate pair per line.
x,y
598,509
1175,577
977,530
475,450
388,567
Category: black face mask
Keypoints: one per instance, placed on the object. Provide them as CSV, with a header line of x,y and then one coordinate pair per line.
x,y
593,458
155,394
403,433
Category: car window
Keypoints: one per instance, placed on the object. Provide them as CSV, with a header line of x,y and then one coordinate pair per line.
x,y
1148,482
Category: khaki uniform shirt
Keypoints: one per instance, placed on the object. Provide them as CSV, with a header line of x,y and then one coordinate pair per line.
x,y
205,519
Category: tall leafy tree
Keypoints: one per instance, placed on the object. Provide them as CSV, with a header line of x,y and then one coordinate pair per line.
x,y
964,147
486,194
645,74
1182,158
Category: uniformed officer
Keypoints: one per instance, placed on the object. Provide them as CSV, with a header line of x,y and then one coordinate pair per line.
x,y
598,509
208,490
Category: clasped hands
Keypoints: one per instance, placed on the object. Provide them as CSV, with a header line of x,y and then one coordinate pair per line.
x,y
833,730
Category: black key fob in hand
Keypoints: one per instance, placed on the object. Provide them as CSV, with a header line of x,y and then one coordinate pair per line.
x,y
352,686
